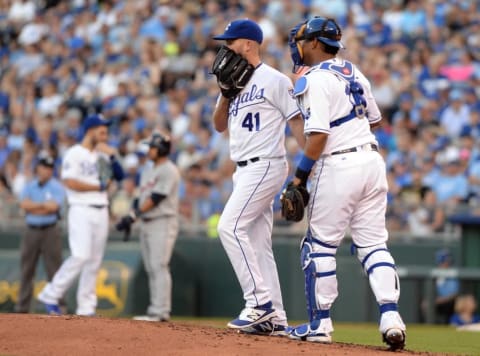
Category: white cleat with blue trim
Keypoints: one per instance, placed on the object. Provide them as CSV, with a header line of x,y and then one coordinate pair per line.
x,y
253,316
305,332
267,328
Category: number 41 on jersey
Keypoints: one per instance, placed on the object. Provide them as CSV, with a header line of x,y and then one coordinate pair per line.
x,y
252,121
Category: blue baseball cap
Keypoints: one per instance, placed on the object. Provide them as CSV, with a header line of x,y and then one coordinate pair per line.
x,y
245,28
443,255
94,121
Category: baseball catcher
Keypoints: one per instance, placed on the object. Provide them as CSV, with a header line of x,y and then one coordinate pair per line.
x,y
232,71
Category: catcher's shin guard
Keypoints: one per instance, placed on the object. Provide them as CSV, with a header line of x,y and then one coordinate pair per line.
x,y
318,262
379,266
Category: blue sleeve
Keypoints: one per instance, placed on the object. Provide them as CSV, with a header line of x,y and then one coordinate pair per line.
x,y
25,194
117,169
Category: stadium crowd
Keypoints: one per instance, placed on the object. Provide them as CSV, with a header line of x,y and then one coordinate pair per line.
x,y
145,65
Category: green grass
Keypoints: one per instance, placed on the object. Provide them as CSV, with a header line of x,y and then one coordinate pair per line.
x,y
420,338
427,338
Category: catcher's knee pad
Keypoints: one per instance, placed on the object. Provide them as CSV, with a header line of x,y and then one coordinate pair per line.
x,y
379,266
319,266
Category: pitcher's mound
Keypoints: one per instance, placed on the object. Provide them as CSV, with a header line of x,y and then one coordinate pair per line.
x,y
33,334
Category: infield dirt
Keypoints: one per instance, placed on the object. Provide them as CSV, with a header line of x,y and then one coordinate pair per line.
x,y
34,334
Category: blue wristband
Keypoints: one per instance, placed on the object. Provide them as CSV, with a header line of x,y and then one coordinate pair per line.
x,y
304,168
306,164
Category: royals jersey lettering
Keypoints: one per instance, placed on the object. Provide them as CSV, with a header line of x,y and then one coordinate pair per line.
x,y
81,164
257,116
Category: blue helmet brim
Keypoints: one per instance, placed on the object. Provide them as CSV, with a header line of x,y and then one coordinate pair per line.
x,y
331,43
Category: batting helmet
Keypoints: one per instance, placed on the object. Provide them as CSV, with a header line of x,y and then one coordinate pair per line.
x,y
161,143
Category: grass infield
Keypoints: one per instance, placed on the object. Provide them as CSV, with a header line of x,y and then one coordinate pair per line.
x,y
420,338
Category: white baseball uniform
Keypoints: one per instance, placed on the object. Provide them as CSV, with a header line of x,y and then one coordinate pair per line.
x,y
256,122
348,189
87,233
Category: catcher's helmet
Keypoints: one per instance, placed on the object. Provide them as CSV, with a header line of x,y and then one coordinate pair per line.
x,y
161,143
326,30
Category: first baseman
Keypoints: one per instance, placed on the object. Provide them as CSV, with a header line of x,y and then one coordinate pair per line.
x,y
87,217
255,118
349,185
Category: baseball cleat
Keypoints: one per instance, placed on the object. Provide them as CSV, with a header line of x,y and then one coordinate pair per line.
x,y
394,338
253,316
267,328
52,309
305,333
150,318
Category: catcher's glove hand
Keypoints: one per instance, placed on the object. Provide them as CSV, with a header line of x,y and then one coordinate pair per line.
x,y
294,199
125,224
232,71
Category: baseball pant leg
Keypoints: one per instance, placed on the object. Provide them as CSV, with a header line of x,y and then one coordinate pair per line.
x,y
30,251
86,292
254,189
80,242
157,243
261,233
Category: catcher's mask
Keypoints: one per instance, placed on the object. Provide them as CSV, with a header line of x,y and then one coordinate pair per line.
x,y
325,30
161,143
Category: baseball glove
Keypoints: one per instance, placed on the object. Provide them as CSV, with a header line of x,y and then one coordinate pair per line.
x,y
294,199
232,71
104,169
125,225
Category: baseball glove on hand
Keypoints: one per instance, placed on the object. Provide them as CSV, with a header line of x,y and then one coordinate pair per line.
x,y
232,71
294,199
104,169
125,224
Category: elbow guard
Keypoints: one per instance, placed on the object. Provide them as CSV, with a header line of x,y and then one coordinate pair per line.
x,y
157,198
117,170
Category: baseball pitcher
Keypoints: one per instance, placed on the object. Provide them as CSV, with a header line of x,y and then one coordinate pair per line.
x,y
255,105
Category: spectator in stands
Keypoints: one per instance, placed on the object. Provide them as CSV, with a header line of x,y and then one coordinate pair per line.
x,y
426,217
465,306
451,186
447,288
122,201
77,55
456,115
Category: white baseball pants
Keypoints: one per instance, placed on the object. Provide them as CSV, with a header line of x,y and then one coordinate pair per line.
x,y
87,236
245,230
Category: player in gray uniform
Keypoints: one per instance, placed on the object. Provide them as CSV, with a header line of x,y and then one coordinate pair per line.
x,y
157,209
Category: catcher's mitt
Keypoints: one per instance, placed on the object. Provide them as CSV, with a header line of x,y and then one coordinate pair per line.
x,y
294,200
104,169
232,71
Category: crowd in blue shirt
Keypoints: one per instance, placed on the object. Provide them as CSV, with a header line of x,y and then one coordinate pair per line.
x,y
146,65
